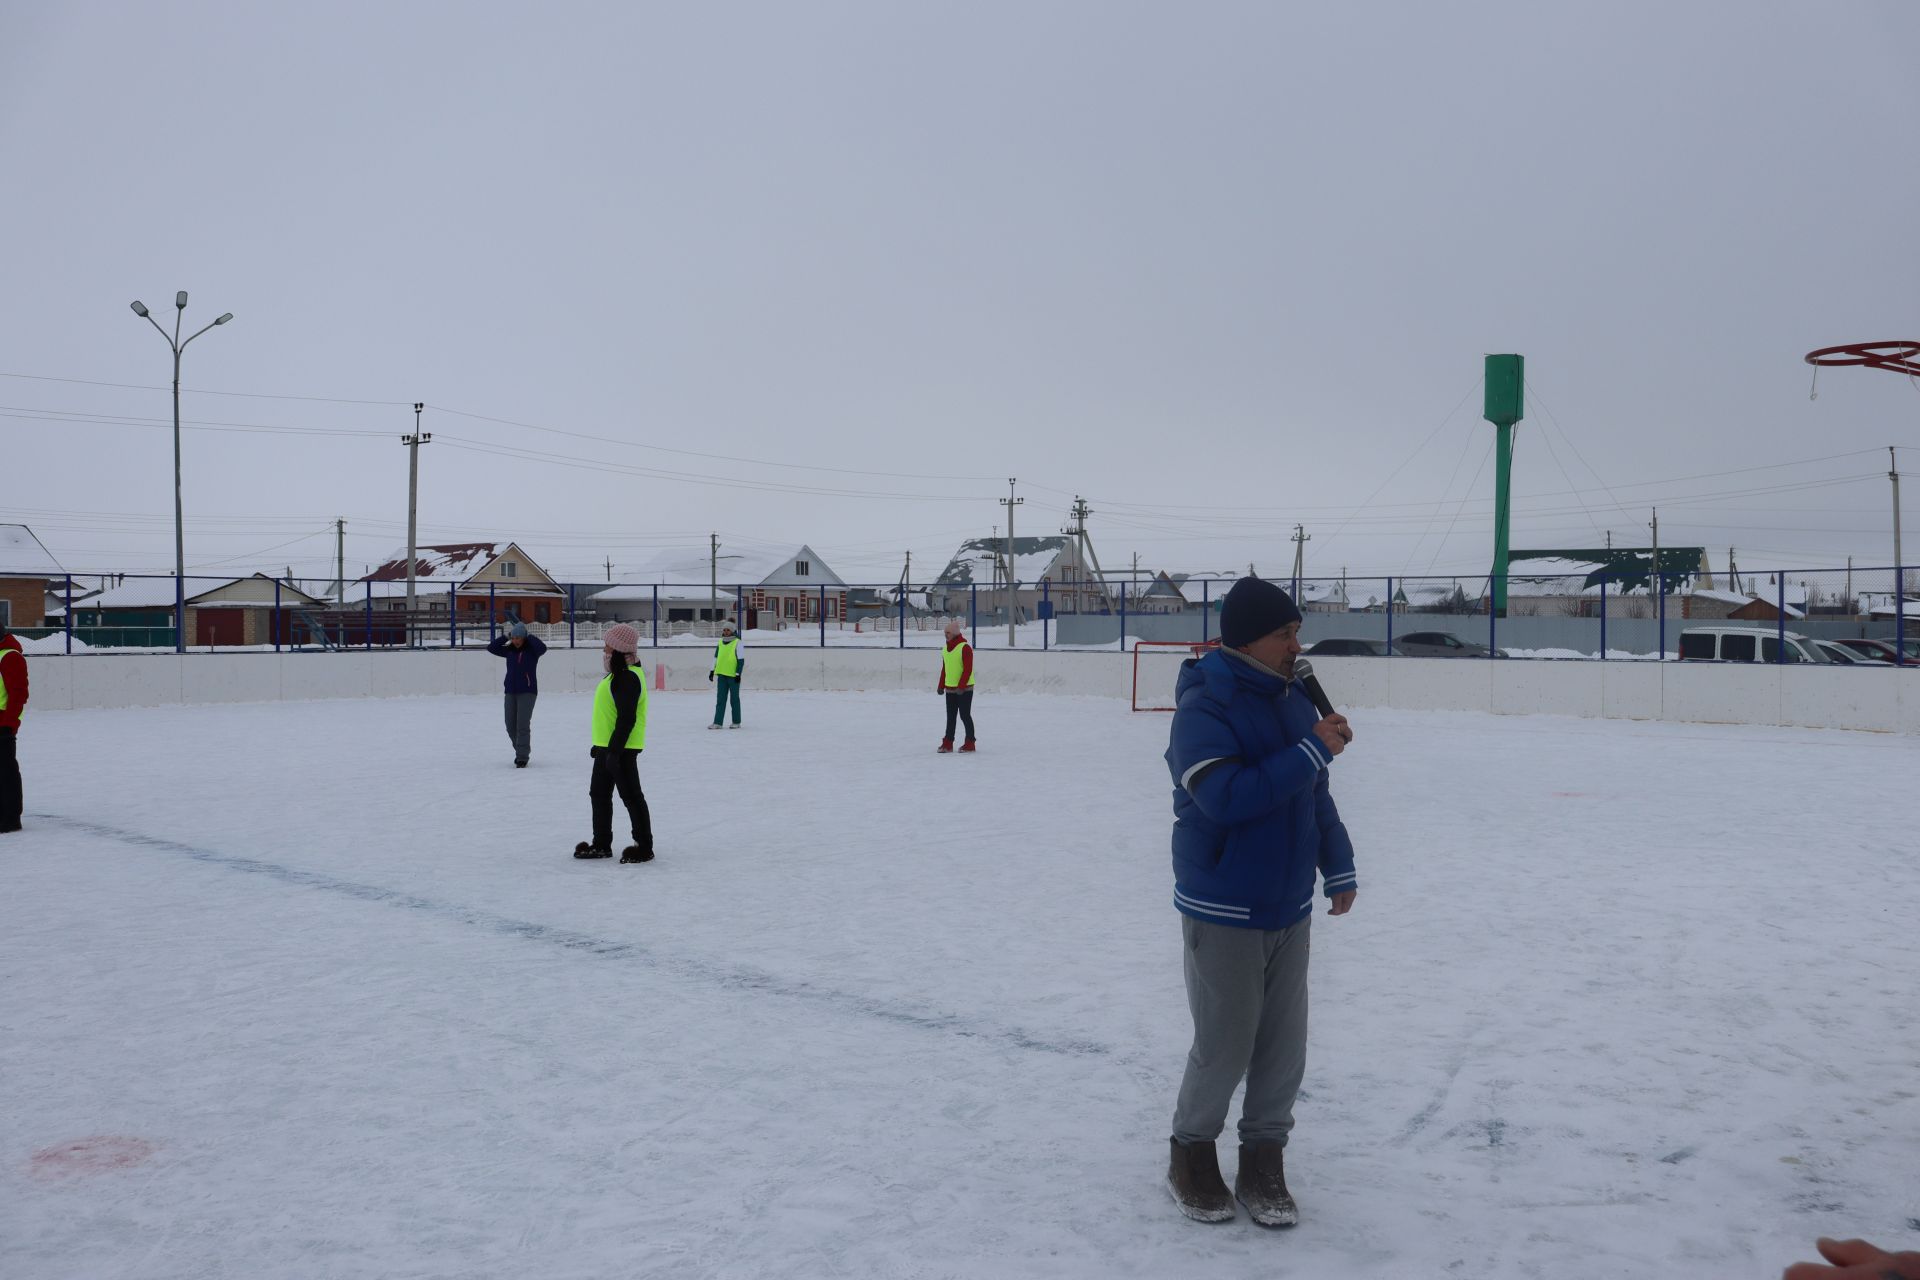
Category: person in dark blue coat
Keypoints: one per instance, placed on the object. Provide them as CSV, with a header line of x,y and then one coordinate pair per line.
x,y
522,653
1254,825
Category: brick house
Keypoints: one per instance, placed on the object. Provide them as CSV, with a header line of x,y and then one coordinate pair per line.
x,y
25,568
474,575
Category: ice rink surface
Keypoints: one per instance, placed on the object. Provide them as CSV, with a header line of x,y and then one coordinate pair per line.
x,y
315,990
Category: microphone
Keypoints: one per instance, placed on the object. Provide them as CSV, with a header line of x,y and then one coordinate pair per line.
x,y
1303,672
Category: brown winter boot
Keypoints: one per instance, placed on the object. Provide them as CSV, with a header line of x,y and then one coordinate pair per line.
x,y
1193,1175
1262,1185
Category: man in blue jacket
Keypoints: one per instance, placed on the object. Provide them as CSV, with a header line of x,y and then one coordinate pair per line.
x,y
1253,825
522,653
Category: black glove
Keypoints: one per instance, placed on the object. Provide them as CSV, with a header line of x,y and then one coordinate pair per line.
x,y
709,677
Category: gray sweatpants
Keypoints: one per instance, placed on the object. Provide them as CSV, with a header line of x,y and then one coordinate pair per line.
x,y
1247,989
520,723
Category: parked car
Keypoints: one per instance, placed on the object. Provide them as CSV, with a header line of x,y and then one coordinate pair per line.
x,y
1346,648
1441,644
1747,644
1884,650
1841,655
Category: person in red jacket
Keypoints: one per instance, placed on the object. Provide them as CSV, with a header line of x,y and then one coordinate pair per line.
x,y
13,701
956,681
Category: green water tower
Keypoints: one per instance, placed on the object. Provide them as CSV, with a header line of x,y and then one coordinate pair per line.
x,y
1506,404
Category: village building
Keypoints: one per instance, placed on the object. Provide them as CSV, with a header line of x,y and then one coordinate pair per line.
x,y
485,583
26,569
221,613
684,591
1046,570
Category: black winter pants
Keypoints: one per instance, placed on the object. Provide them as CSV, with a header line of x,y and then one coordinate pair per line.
x,y
623,775
10,802
960,706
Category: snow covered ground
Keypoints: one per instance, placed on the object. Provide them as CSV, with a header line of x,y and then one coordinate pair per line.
x,y
315,990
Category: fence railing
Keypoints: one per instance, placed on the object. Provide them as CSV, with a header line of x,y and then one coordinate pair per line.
x,y
1868,613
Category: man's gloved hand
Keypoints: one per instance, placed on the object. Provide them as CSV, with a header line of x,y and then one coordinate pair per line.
x,y
709,677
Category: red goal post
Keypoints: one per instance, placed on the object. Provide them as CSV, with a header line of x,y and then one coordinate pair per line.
x,y
1156,667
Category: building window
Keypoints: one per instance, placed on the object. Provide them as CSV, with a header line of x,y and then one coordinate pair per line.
x,y
801,568
541,611
508,569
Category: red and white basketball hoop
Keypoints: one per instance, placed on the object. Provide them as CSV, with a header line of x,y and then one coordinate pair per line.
x,y
1897,357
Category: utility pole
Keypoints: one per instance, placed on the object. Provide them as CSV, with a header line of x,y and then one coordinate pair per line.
x,y
1013,586
413,443
340,562
1300,540
1657,578
1899,566
1088,556
906,582
713,571
1853,605
609,568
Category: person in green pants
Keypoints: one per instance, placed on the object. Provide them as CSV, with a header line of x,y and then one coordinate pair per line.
x,y
728,667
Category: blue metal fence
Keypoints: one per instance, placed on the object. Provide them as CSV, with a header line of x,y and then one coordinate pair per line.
x,y
1596,616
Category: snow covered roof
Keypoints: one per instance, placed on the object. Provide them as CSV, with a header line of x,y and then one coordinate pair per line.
x,y
448,562
1740,599
1322,591
153,593
973,562
643,593
22,556
692,566
786,572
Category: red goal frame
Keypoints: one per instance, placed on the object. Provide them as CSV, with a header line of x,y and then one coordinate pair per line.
x,y
1195,648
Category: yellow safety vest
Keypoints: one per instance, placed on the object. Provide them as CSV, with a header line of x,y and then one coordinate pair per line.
x,y
954,661
726,658
606,715
4,655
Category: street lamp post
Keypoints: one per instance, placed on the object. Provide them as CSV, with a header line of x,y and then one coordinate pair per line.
x,y
179,533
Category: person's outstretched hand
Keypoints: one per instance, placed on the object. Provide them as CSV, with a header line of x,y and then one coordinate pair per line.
x,y
1855,1260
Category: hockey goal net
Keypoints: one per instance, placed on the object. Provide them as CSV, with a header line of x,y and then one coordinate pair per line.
x,y
1156,668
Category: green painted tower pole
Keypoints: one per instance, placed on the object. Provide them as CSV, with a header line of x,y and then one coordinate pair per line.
x,y
1506,396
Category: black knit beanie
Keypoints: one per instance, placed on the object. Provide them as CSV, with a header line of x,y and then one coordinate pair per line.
x,y
1253,608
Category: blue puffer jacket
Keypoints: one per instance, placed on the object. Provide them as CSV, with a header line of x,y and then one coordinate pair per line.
x,y
1252,816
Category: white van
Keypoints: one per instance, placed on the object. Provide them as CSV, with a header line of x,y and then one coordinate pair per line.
x,y
1746,644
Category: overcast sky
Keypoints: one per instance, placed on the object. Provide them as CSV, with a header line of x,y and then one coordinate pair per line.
x,y
1218,267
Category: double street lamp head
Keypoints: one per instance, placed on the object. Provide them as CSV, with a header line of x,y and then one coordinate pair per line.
x,y
223,319
180,300
140,308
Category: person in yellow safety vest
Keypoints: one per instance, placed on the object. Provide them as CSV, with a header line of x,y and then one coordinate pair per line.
x,y
619,736
956,681
13,701
728,667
